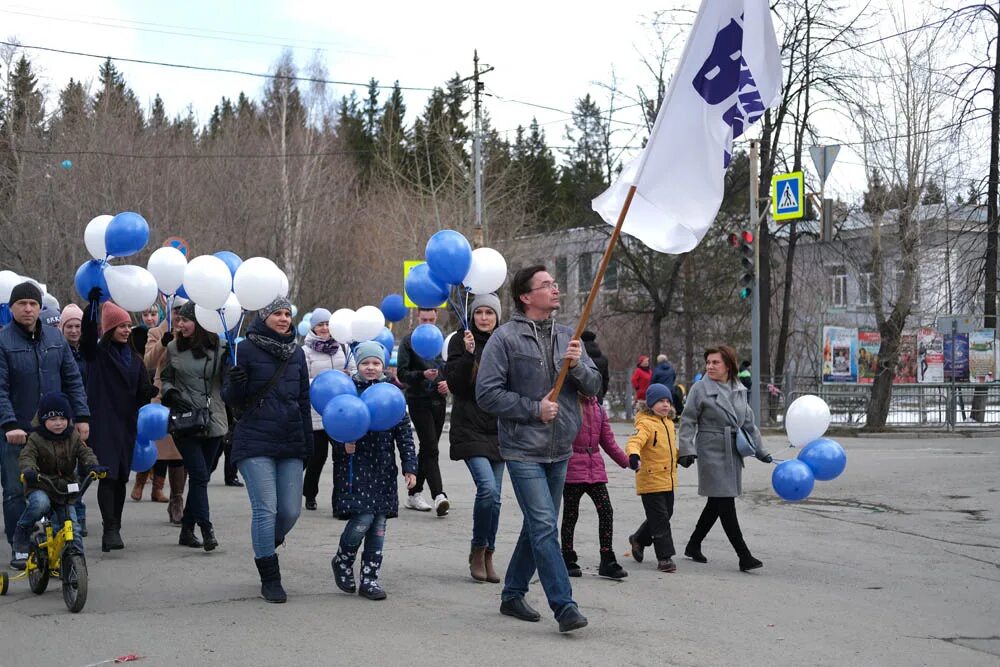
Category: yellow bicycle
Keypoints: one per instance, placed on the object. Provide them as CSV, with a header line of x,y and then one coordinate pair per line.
x,y
55,554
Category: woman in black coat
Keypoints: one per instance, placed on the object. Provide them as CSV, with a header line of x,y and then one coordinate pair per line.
x,y
117,386
268,389
473,433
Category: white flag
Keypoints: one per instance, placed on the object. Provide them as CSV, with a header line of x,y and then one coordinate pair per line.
x,y
729,73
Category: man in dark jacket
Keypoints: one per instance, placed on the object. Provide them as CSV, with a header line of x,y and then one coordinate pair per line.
x,y
664,373
34,360
589,339
517,373
426,396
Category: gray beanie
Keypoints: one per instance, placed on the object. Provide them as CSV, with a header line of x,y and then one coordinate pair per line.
x,y
319,316
187,311
491,301
277,304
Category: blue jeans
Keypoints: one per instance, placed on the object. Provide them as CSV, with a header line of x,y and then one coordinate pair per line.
x,y
488,476
198,455
275,490
38,505
13,492
367,527
538,488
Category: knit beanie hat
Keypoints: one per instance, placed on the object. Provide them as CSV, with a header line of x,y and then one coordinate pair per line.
x,y
112,315
319,316
491,301
367,349
54,404
657,392
25,290
187,311
178,302
49,316
69,313
277,304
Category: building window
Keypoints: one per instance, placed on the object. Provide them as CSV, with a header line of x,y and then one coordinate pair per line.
x,y
866,288
561,272
610,276
585,273
838,287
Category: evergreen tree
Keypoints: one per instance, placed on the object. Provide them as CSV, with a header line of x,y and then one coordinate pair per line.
x,y
584,176
391,142
158,114
25,108
371,113
535,161
282,104
72,103
932,193
114,98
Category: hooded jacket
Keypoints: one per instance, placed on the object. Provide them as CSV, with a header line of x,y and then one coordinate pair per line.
x,y
664,374
655,442
55,459
586,466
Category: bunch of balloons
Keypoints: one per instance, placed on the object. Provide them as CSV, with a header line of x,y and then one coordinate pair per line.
x,y
151,425
806,420
8,281
348,417
131,287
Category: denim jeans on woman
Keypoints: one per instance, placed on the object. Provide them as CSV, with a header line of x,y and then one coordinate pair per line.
x,y
488,476
275,490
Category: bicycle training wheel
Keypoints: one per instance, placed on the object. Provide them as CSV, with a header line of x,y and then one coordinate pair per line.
x,y
74,576
4,582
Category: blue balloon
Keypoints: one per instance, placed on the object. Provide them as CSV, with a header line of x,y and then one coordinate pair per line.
x,y
231,259
144,455
394,308
5,316
792,480
825,457
388,342
327,385
427,341
423,288
127,234
449,256
346,418
386,405
303,328
66,164
152,422
91,275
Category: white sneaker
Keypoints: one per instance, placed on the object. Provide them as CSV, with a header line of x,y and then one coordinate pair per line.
x,y
416,502
441,504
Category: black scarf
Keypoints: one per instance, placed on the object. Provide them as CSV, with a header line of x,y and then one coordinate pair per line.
x,y
277,345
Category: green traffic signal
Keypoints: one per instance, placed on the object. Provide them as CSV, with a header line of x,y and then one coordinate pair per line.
x,y
745,293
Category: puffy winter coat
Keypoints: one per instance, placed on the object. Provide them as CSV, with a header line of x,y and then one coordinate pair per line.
x,y
196,383
56,459
586,466
317,362
640,382
280,424
656,444
664,374
473,431
366,480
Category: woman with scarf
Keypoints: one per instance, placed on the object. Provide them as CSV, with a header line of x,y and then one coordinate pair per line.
x,y
117,386
322,354
268,388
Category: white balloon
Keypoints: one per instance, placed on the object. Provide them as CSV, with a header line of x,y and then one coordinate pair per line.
x,y
167,266
367,323
257,283
444,348
806,419
487,273
210,320
132,287
8,281
341,325
283,290
208,281
93,236
49,301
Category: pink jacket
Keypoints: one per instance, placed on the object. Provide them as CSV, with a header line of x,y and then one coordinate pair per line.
x,y
586,466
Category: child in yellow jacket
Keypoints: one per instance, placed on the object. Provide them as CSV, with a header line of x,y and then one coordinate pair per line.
x,y
652,453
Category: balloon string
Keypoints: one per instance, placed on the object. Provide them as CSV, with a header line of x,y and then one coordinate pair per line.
x,y
468,293
170,308
230,338
461,318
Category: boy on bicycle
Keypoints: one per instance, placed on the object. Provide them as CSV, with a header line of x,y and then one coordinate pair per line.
x,y
48,465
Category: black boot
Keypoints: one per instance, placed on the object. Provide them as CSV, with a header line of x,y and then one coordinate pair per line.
x,y
370,587
748,562
270,579
208,537
610,567
188,538
572,567
637,549
111,540
693,551
343,570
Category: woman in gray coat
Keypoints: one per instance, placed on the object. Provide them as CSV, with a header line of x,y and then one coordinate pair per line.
x,y
715,407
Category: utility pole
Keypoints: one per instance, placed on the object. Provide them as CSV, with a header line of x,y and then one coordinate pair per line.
x,y
477,146
755,304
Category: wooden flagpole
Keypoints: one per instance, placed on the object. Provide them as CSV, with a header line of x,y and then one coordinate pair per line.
x,y
598,279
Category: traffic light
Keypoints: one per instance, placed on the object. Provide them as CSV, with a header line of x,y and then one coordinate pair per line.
x,y
743,241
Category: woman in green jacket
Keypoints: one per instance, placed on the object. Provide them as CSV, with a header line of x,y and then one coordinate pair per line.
x,y
192,382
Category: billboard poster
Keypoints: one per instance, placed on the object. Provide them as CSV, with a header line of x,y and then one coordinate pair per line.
x,y
869,343
961,358
930,355
840,355
983,355
906,370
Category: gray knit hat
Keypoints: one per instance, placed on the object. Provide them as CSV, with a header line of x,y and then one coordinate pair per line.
x,y
277,304
369,348
187,311
491,301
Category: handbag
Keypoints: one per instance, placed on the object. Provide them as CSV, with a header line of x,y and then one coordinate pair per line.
x,y
239,412
194,421
744,441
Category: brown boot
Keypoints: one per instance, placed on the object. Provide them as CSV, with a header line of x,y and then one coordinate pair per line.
x,y
491,574
140,484
157,495
477,563
178,478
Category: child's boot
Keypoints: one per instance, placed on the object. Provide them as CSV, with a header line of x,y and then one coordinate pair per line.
x,y
19,557
270,579
343,569
610,567
572,567
370,587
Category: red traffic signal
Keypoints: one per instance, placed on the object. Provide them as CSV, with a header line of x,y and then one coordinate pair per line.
x,y
744,237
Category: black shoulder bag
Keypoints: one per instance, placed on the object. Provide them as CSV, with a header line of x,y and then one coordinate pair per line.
x,y
195,421
258,399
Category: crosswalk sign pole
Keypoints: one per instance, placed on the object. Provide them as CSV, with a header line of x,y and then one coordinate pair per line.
x,y
755,302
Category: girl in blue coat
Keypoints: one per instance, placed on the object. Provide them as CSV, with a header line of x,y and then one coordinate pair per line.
x,y
370,496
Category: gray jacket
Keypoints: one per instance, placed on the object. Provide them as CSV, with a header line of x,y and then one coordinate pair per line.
x,y
708,431
184,381
513,379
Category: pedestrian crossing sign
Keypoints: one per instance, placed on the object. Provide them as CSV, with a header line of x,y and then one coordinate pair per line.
x,y
787,196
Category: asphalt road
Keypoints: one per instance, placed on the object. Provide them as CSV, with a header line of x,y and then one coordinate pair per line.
x,y
897,562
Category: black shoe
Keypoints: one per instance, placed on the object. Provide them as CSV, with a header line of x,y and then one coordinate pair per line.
x,y
748,562
610,567
637,549
572,619
270,579
208,538
667,565
310,503
695,554
112,539
188,538
234,482
519,609
572,567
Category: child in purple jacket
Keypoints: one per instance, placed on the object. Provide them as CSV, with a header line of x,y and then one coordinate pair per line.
x,y
586,475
